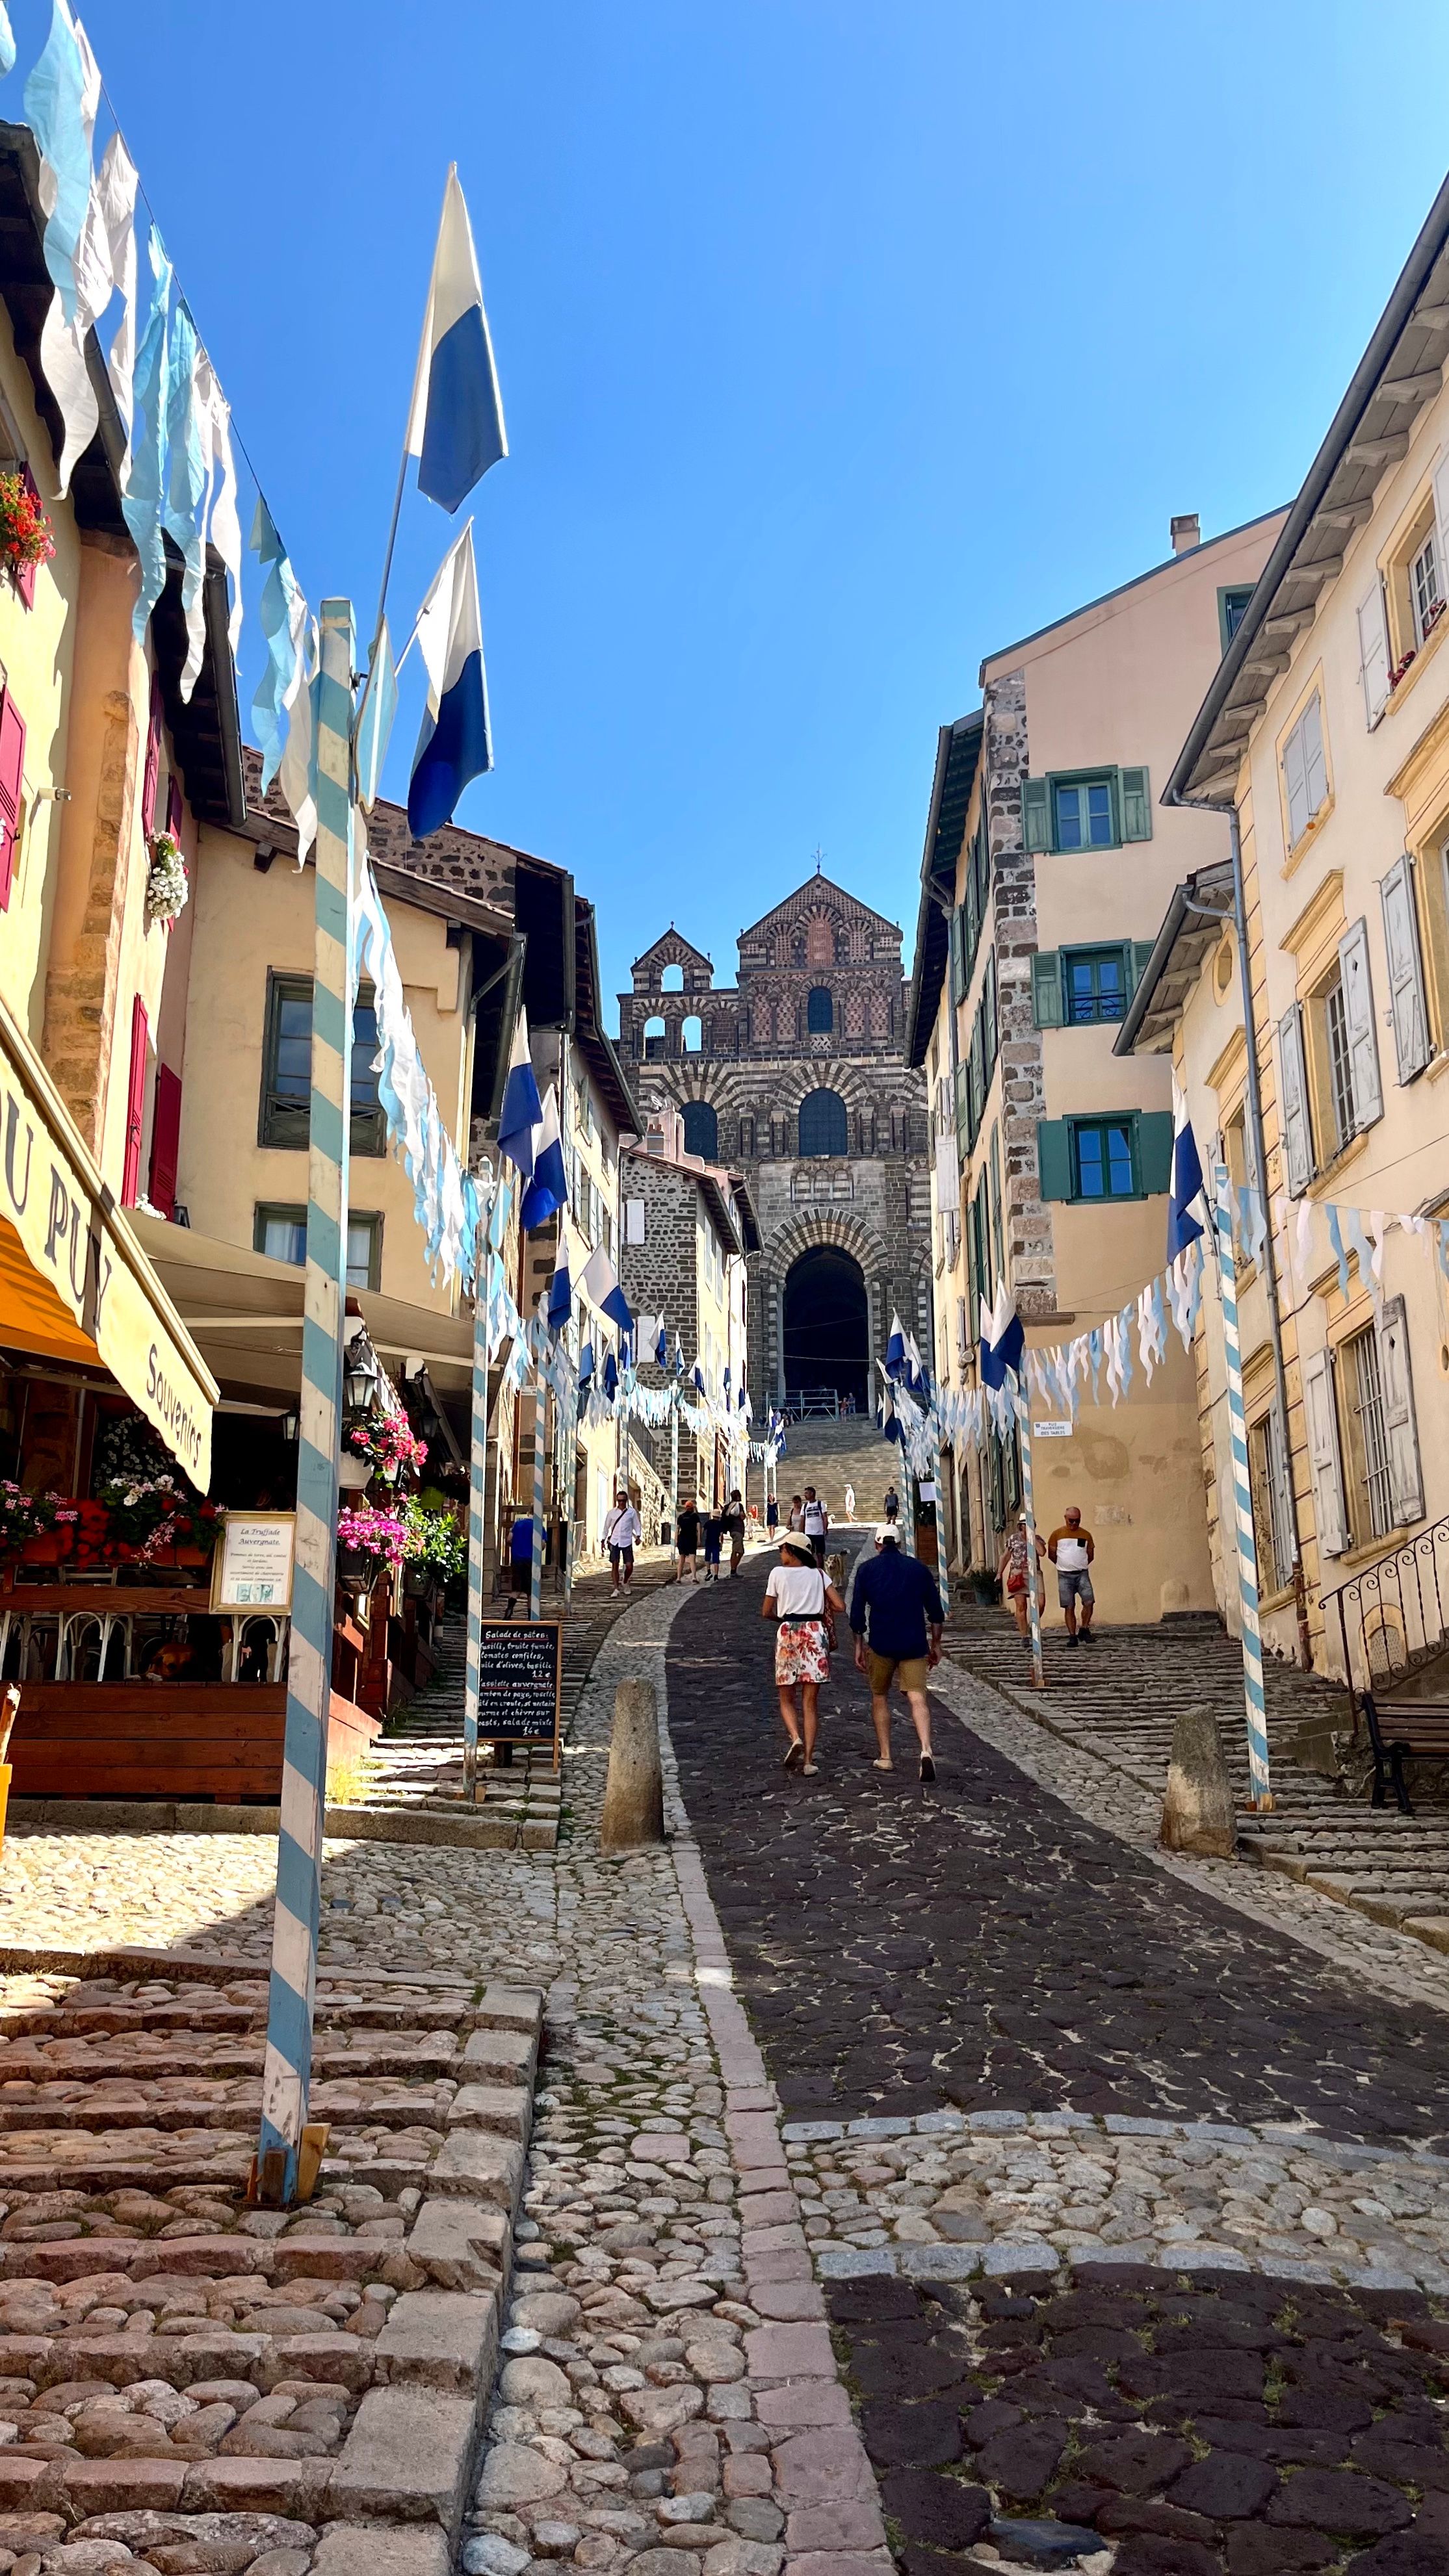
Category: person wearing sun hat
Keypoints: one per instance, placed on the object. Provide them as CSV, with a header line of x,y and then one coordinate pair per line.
x,y
800,1600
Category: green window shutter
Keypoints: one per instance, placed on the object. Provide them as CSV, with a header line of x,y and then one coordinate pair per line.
x,y
1036,814
963,1102
1154,1151
1139,957
1046,988
958,955
1054,1157
1135,802
978,1075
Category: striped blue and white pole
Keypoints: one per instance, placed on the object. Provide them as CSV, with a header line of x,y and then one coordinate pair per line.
x,y
287,2073
1028,1505
477,1496
540,1433
1247,1552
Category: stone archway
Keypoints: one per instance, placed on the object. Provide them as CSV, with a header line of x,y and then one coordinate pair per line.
x,y
827,1325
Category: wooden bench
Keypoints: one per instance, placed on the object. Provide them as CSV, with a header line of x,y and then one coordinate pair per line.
x,y
1401,1731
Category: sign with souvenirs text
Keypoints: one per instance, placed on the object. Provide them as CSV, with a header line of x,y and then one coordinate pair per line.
x,y
252,1567
81,1249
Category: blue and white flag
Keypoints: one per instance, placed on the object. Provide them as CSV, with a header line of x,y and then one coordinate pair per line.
x,y
1003,1339
374,724
586,1366
548,1190
895,1358
600,1284
522,1110
678,1356
653,1340
611,1376
560,1305
454,742
455,429
1187,1181
699,1377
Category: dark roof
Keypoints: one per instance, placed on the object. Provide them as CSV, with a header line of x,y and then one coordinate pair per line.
x,y
958,751
1398,373
590,1036
206,729
269,825
1191,929
827,885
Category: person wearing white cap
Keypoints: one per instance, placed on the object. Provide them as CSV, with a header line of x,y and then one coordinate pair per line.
x,y
895,1597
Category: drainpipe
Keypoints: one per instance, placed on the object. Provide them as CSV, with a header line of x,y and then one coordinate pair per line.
x,y
1214,805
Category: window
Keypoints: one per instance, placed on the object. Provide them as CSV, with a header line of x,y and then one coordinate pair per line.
x,y
747,1138
1232,608
1084,816
824,1125
1340,1061
820,1010
634,1220
654,1040
12,791
1370,1497
701,1129
1094,985
672,980
1123,1156
1102,1153
287,1067
1305,771
1426,595
281,1233
1266,1481
1345,1089
691,1034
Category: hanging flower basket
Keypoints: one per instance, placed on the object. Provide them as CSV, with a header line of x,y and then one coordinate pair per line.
x,y
26,536
167,885
354,1474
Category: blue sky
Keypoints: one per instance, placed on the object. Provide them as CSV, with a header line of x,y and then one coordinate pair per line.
x,y
838,345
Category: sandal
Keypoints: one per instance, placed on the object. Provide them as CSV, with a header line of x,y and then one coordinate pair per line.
x,y
795,1752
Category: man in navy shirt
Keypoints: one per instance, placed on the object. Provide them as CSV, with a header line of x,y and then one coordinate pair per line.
x,y
896,1617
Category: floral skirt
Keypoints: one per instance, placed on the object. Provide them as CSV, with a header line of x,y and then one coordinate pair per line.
x,y
801,1654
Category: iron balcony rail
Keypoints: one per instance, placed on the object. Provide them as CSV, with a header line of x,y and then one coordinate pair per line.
x,y
1392,1614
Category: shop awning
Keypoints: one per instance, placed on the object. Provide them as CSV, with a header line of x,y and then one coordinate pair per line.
x,y
75,1283
245,1312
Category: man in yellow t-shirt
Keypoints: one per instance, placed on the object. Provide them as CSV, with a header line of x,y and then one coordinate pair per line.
x,y
1071,1549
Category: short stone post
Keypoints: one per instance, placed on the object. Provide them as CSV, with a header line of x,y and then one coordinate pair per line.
x,y
1198,1813
634,1795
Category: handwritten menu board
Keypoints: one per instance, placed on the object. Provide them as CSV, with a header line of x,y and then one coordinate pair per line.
x,y
520,1681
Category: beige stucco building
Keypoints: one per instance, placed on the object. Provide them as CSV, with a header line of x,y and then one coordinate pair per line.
x,y
1046,867
1326,733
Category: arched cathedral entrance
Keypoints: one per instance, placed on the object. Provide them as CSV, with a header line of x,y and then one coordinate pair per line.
x,y
827,1334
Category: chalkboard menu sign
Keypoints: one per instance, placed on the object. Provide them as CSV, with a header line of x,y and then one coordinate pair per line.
x,y
520,1681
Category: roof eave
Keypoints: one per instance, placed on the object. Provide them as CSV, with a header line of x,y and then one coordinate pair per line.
x,y
1185,909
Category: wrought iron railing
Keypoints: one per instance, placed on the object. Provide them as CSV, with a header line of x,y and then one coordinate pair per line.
x,y
1393,1616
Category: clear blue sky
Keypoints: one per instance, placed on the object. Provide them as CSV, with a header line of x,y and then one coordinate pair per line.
x,y
838,344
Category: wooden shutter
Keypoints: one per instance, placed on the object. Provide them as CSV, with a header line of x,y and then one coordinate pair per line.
x,y
1406,969
1373,652
958,955
1036,814
25,577
1441,506
12,791
165,1140
151,776
997,1232
1154,1152
1046,988
173,806
1322,1422
1315,764
1358,1012
1406,1475
1280,1499
978,1075
1054,1157
135,1103
989,1013
963,1103
1293,781
1139,958
1293,1088
1135,801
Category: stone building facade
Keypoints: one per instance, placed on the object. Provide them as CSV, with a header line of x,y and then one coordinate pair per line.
x,y
796,1077
686,1231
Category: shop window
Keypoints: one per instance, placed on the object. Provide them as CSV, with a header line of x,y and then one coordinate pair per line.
x,y
281,1233
287,1067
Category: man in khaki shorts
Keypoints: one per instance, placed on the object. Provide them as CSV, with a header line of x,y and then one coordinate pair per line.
x,y
895,1598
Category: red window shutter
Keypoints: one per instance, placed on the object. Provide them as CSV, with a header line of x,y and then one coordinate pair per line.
x,y
153,763
165,1140
173,806
12,789
135,1103
25,578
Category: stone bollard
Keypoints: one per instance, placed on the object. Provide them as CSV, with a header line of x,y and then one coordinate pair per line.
x,y
1197,1812
634,1795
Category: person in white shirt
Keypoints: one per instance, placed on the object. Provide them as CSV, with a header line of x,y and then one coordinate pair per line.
x,y
622,1528
815,1521
1071,1549
850,1502
800,1600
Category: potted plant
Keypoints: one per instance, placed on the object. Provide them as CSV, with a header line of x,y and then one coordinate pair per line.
x,y
39,1529
388,1444
26,537
985,1586
152,1520
437,1548
167,885
369,1540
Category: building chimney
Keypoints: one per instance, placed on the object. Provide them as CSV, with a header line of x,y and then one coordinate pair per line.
x,y
1186,533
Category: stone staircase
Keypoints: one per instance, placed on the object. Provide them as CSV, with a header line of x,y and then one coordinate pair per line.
x,y
832,1455
1115,1703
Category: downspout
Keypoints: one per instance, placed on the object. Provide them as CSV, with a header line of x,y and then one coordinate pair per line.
x,y
1215,805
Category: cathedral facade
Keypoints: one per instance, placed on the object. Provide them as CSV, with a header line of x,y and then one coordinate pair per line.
x,y
796,1077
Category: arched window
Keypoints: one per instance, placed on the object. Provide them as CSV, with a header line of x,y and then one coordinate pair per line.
x,y
654,1037
692,1034
824,1128
701,1129
820,1011
672,980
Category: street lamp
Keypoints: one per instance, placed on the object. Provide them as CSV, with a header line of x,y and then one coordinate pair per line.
x,y
361,1375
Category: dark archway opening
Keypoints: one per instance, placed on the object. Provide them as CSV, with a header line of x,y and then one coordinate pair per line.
x,y
827,1339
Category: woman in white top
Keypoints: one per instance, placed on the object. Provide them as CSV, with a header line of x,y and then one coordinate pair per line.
x,y
800,1600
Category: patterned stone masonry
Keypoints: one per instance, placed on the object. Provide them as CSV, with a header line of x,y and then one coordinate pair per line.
x,y
195,2386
